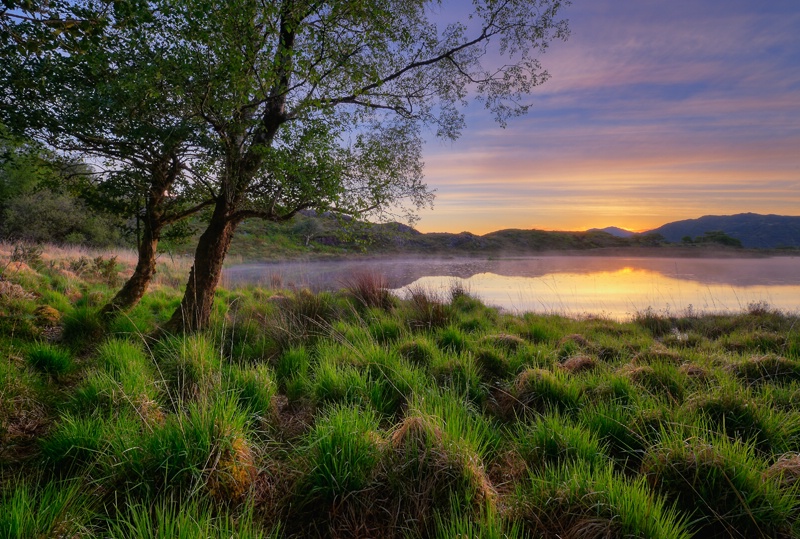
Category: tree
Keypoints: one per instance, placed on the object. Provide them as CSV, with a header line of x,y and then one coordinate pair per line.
x,y
718,237
320,104
98,96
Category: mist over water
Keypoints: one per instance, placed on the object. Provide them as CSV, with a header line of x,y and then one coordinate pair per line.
x,y
616,287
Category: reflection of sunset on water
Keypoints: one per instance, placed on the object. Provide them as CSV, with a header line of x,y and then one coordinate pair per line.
x,y
618,294
571,285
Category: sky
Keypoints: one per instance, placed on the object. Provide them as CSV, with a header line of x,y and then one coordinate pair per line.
x,y
656,111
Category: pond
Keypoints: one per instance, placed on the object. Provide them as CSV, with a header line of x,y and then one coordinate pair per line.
x,y
615,287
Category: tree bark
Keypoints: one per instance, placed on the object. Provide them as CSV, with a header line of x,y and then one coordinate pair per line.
x,y
194,312
135,287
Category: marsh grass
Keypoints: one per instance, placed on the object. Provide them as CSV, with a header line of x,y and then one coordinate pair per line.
x,y
302,316
370,290
34,508
202,450
552,440
427,309
186,520
191,366
303,414
719,483
579,501
540,391
50,359
342,453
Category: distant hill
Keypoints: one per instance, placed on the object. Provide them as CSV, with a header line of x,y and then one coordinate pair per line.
x,y
753,230
312,234
614,231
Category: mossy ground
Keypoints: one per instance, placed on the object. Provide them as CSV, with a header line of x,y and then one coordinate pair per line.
x,y
356,414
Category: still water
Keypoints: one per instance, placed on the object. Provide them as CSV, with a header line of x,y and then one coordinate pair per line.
x,y
616,287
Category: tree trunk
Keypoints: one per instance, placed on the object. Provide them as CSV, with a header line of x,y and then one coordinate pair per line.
x,y
195,308
135,287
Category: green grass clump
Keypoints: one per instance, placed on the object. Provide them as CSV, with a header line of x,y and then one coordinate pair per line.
x,y
459,419
769,368
370,290
612,388
206,447
742,417
342,452
134,323
489,523
618,428
427,310
657,324
385,330
538,330
718,483
50,359
451,339
302,316
660,380
432,475
123,378
187,520
552,440
335,382
505,341
53,509
254,389
493,363
292,371
578,501
82,327
74,442
391,380
419,351
539,390
461,374
190,364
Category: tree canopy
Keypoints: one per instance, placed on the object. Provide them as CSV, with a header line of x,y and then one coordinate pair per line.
x,y
285,105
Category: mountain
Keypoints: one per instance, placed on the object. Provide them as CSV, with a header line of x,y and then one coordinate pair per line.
x,y
614,231
753,230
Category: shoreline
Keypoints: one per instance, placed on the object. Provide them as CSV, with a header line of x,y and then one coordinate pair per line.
x,y
620,252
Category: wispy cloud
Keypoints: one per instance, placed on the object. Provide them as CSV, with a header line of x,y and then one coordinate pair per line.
x,y
656,111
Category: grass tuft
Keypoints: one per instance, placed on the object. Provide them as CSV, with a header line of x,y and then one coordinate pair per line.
x,y
719,483
427,310
53,509
370,289
50,359
342,452
579,501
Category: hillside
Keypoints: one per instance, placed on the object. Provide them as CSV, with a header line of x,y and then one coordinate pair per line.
x,y
314,235
753,230
310,234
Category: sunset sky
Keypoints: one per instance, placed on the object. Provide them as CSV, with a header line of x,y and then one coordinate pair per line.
x,y
657,110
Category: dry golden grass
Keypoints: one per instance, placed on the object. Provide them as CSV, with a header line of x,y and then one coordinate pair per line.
x,y
172,270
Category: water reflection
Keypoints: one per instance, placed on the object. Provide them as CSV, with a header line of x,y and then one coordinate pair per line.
x,y
613,286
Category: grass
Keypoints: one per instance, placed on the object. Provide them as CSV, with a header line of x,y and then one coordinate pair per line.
x,y
32,508
50,359
719,484
191,520
357,414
